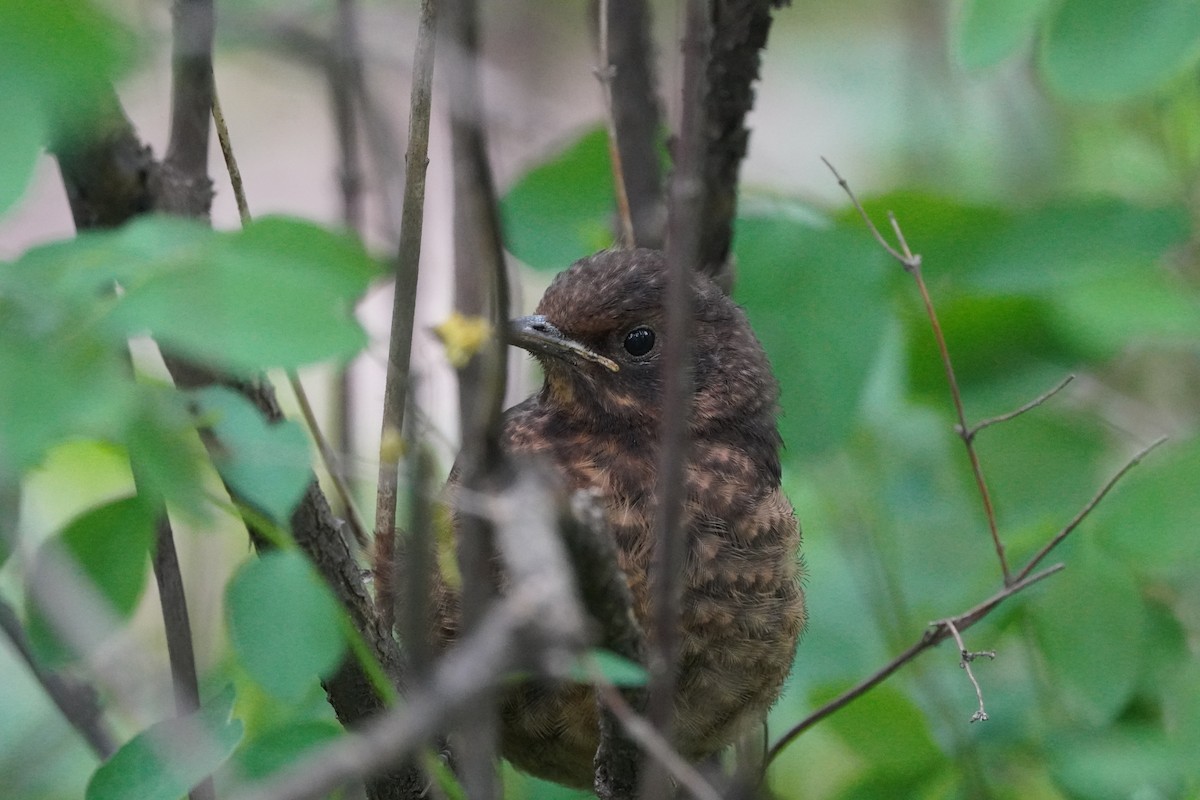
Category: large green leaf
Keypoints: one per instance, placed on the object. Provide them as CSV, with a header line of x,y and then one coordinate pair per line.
x,y
1090,624
562,210
887,730
284,624
266,465
275,749
108,547
1106,50
279,293
816,297
1120,762
989,31
165,761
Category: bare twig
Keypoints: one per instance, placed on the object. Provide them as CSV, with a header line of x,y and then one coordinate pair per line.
x,y
231,165
965,658
653,742
912,265
1032,404
932,636
404,303
636,116
1087,508
683,250
76,701
605,73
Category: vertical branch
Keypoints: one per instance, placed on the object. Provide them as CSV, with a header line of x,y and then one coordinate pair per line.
x,y
178,628
683,242
404,304
636,119
185,187
740,29
481,290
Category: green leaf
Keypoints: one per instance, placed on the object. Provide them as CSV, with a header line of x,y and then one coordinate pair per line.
x,y
990,31
168,759
285,626
10,510
52,56
1120,762
279,293
275,749
1108,50
817,301
266,464
108,546
561,211
886,730
617,670
1152,517
1090,625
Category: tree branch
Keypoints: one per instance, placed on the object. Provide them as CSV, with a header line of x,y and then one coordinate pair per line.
x,y
184,186
740,29
684,237
404,305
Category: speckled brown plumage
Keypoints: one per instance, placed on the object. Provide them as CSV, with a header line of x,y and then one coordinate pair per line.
x,y
743,608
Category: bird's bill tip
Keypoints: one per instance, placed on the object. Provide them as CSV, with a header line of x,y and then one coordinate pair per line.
x,y
539,336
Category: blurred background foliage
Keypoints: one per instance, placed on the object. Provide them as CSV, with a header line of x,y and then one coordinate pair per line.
x,y
1044,158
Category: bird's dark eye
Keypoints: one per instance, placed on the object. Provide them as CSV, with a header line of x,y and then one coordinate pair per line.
x,y
639,341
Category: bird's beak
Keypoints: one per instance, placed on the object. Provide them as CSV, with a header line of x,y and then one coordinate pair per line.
x,y
538,336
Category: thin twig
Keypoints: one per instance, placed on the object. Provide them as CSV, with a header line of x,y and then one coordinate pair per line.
x,y
931,637
683,249
231,165
76,701
1032,404
912,265
328,457
404,304
657,747
1087,508
965,658
604,73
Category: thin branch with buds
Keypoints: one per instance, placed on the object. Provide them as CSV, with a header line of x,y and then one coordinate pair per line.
x,y
966,657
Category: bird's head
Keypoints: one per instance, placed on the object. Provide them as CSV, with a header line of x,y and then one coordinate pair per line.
x,y
599,332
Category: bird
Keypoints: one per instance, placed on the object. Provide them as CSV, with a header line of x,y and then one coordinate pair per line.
x,y
598,333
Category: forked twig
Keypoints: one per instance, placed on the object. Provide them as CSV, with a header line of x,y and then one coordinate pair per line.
x,y
912,265
1032,404
965,658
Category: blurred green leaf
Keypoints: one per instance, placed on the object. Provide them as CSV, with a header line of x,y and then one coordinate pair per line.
x,y
275,749
165,761
989,31
1091,626
10,511
817,301
279,293
285,626
267,464
108,546
616,669
561,210
1107,50
1152,518
887,731
1118,763
51,56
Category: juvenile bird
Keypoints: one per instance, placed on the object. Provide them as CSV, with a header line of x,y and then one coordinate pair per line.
x,y
598,333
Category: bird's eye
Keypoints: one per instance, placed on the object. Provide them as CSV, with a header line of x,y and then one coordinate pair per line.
x,y
639,341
